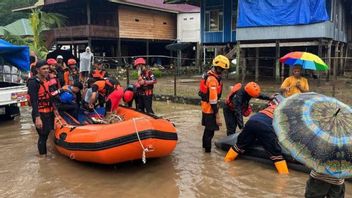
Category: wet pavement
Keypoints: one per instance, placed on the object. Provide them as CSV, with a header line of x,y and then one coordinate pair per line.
x,y
188,172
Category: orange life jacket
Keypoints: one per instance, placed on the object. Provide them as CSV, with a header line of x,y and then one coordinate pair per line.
x,y
98,74
101,86
204,90
44,104
233,91
269,111
54,83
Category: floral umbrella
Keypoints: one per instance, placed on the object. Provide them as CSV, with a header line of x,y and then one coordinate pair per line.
x,y
317,131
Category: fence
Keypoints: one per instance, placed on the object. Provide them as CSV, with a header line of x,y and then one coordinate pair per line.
x,y
184,80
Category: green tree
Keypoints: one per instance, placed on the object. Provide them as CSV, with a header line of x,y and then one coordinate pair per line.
x,y
41,21
6,7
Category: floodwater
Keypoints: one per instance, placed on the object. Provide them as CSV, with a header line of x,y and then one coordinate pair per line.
x,y
188,172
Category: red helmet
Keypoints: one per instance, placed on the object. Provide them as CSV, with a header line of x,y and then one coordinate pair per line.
x,y
51,61
139,61
128,96
252,89
71,61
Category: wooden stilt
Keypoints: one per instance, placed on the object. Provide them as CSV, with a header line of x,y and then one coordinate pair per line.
x,y
256,64
277,64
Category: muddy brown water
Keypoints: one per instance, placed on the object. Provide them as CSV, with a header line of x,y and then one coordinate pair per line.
x,y
188,172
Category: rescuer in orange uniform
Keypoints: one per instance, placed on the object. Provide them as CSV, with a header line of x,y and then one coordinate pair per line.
x,y
99,73
210,90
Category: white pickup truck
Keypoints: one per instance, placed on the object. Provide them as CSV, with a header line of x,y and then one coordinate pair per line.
x,y
12,91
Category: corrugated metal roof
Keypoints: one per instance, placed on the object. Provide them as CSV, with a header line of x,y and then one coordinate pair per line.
x,y
20,27
159,5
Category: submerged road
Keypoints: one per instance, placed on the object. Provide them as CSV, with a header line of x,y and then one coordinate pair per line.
x,y
188,172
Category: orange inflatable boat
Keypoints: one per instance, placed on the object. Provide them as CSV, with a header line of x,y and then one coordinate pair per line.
x,y
138,136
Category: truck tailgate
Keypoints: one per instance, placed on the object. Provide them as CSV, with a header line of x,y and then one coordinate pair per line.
x,y
13,94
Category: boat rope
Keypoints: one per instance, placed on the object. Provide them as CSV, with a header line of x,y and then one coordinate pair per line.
x,y
144,159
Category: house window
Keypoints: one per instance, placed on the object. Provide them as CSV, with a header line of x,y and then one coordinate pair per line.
x,y
214,21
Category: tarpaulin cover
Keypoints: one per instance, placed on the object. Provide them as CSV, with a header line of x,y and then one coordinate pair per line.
x,y
15,55
254,13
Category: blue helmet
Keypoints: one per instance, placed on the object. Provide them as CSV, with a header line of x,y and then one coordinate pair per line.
x,y
66,97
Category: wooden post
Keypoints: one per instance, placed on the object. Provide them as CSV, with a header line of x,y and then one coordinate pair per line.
x,y
127,75
282,72
320,54
89,22
179,55
341,66
335,69
257,64
329,60
204,56
238,54
277,65
198,53
345,59
147,51
119,47
244,66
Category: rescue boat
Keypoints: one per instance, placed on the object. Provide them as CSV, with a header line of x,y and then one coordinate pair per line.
x,y
137,136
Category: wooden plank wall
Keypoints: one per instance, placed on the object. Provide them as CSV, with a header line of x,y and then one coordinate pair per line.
x,y
138,23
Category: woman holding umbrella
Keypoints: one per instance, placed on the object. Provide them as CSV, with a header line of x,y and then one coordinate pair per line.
x,y
300,60
295,83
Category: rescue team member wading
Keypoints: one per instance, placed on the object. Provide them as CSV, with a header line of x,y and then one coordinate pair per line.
x,y
146,81
259,127
237,104
42,109
210,90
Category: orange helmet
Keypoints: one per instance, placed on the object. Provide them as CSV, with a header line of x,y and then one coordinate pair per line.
x,y
71,61
128,96
252,89
139,61
51,61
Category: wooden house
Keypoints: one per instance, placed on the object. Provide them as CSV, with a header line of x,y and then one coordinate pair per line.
x,y
115,27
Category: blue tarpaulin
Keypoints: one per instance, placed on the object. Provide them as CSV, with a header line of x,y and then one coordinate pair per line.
x,y
253,13
15,55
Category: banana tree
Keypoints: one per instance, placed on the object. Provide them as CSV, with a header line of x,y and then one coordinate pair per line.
x,y
41,21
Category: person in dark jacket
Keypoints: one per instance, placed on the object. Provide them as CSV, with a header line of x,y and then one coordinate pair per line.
x,y
42,109
259,128
237,101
